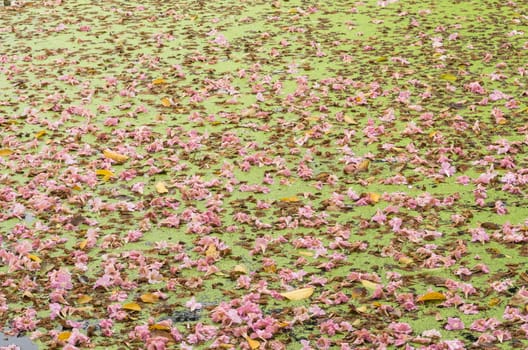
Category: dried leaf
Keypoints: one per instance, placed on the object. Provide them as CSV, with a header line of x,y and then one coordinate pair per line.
x,y
448,77
363,165
494,301
83,244
118,157
306,253
5,152
374,197
298,294
106,174
349,120
253,344
40,134
405,260
159,81
84,299
166,102
212,252
160,187
159,327
431,296
64,336
370,285
132,306
241,269
291,199
34,258
149,298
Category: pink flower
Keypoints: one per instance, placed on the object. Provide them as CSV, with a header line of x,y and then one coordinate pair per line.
x,y
193,305
400,327
379,217
453,324
60,279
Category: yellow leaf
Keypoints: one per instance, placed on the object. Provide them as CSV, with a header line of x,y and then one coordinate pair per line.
x,y
405,260
40,134
118,157
76,188
369,284
240,269
132,306
83,244
149,298
382,59
362,309
5,152
291,199
160,187
306,253
212,252
34,258
84,299
63,336
253,344
363,165
166,102
431,296
349,120
159,327
270,268
374,197
159,81
298,294
448,76
494,301
106,174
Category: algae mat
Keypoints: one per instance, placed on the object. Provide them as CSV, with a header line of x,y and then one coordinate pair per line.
x,y
252,175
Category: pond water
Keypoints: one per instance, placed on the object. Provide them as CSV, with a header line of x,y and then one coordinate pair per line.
x,y
24,343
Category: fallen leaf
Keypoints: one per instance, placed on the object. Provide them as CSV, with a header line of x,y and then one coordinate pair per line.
x,y
166,102
291,199
374,197
241,269
132,306
431,296
159,81
448,77
63,336
349,120
5,152
405,260
40,134
149,298
369,284
253,344
106,174
34,258
212,252
83,244
298,294
159,327
84,299
118,157
160,187
363,165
